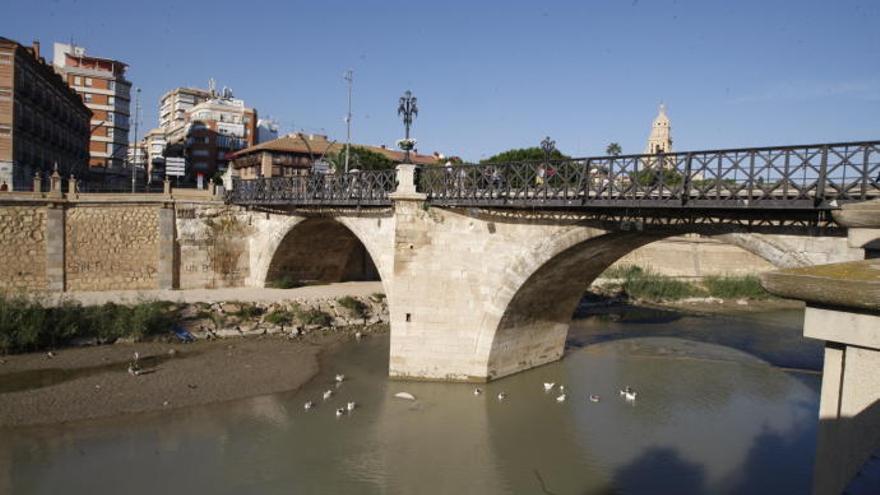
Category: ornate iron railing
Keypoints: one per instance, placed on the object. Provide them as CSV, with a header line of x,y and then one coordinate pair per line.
x,y
368,188
800,177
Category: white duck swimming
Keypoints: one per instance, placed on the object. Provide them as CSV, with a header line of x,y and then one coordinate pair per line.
x,y
561,398
340,378
328,394
340,412
502,395
548,386
308,405
628,393
477,391
594,398
351,405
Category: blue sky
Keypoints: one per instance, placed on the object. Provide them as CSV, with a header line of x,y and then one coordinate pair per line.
x,y
495,75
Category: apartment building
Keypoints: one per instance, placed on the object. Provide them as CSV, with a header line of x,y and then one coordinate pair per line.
x,y
102,85
174,105
43,123
154,144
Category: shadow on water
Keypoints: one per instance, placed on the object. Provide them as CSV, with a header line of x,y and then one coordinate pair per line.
x,y
39,378
777,339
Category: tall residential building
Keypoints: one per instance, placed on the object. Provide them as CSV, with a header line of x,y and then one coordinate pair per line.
x,y
43,123
174,105
101,83
154,143
210,132
660,140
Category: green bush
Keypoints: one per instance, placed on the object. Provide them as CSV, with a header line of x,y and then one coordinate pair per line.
x,y
357,308
246,310
731,287
285,282
27,324
623,271
280,317
379,296
312,316
653,287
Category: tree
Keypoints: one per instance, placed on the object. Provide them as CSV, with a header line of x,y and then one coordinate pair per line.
x,y
523,154
613,149
652,177
361,159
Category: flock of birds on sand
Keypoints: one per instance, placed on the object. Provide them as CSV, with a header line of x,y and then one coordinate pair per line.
x,y
627,393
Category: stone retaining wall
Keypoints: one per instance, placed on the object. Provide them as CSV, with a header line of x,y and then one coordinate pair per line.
x,y
22,248
112,247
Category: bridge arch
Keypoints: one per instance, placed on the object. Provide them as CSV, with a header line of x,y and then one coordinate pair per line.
x,y
542,290
322,249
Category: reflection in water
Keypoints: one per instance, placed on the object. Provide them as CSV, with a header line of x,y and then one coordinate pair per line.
x,y
708,419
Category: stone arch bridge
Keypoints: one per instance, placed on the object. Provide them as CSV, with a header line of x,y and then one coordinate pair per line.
x,y
483,265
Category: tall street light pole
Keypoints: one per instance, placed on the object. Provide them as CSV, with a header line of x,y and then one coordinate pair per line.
x,y
408,110
137,111
348,77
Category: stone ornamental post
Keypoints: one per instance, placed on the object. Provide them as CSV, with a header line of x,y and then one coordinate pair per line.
x,y
71,185
38,184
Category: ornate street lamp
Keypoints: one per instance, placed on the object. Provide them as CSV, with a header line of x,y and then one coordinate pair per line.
x,y
548,145
408,110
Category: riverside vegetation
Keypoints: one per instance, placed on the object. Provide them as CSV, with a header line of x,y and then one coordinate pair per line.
x,y
32,323
635,282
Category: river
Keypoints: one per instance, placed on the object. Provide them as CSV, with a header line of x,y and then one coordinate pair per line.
x,y
712,416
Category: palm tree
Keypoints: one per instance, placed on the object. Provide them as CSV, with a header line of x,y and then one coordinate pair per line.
x,y
613,149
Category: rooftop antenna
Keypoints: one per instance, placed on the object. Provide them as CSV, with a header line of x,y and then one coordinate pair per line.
x,y
349,76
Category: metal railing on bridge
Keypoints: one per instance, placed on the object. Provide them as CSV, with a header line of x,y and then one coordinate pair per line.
x,y
367,188
789,177
808,177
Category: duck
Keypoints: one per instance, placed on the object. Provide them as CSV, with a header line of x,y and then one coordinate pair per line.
x,y
562,388
340,412
478,391
548,386
502,395
628,393
134,369
358,335
594,398
351,405
340,378
308,405
561,398
328,394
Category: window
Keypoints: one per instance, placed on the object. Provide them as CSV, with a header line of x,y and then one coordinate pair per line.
x,y
111,100
111,85
87,97
77,81
88,81
109,132
111,117
110,148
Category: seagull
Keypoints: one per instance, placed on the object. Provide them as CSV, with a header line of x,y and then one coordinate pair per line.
x,y
628,393
351,405
477,391
548,386
340,412
328,394
308,405
340,378
502,395
561,398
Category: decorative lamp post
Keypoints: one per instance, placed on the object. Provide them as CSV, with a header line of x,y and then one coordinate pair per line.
x,y
548,145
408,110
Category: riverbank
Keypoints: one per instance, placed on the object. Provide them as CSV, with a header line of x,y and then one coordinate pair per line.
x,y
93,382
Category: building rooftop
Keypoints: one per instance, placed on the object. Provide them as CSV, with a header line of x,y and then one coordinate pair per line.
x,y
319,145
